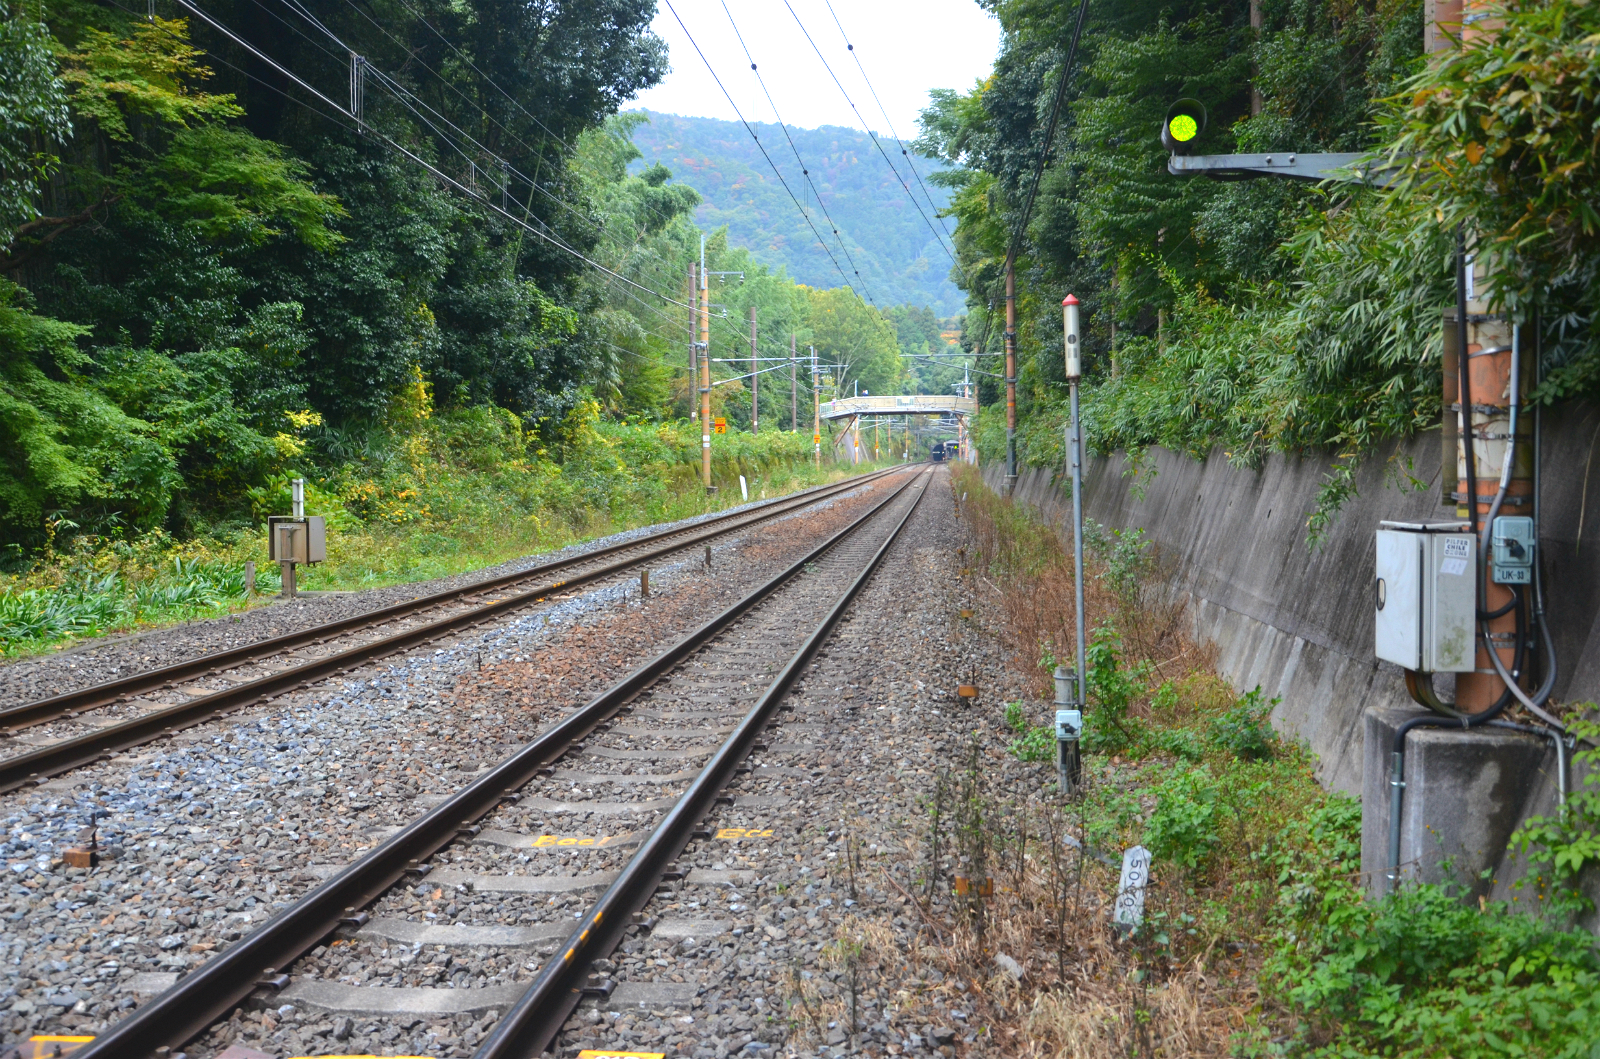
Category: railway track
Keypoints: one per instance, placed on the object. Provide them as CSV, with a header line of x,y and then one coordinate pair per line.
x,y
641,765
256,672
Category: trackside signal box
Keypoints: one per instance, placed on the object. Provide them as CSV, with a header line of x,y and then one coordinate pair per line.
x,y
1426,596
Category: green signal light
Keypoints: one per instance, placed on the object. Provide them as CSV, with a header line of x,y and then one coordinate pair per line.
x,y
1183,128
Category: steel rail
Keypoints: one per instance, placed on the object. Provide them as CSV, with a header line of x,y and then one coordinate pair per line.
x,y
43,710
36,766
531,1025
220,984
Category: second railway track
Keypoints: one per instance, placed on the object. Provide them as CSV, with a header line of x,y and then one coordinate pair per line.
x,y
640,765
255,672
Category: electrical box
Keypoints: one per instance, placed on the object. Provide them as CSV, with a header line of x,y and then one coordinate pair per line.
x,y
1069,724
1511,545
297,540
1426,596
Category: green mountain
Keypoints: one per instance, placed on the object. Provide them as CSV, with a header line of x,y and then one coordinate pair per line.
x,y
889,242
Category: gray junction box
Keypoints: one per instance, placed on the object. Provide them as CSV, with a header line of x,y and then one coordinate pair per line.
x,y
1426,596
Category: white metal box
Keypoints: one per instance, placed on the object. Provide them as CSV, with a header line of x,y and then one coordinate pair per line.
x,y
1426,596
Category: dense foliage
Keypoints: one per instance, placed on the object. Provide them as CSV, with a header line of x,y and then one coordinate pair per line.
x,y
1265,316
211,282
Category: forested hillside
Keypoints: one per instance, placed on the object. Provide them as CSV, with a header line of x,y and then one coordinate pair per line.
x,y
455,307
1270,315
887,239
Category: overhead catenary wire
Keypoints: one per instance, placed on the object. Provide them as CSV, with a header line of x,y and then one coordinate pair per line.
x,y
435,171
1049,135
762,148
348,119
805,170
870,135
345,120
889,122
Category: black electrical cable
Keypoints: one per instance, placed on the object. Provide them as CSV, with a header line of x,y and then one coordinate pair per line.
x,y
805,170
851,48
1049,135
1464,382
762,148
870,134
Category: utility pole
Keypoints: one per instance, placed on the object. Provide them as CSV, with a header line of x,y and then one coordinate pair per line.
x,y
816,411
1011,375
794,389
693,347
705,371
755,379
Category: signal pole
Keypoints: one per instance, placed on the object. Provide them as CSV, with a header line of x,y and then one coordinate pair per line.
x,y
755,383
705,371
1074,354
794,389
1011,375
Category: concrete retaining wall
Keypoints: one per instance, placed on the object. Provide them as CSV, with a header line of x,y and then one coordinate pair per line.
x,y
1298,621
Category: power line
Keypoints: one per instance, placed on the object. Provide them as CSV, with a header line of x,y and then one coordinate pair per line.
x,y
805,170
437,173
712,71
871,135
851,48
1049,135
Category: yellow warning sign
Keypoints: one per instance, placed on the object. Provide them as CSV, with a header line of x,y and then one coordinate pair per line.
x,y
744,832
816,439
603,1054
719,425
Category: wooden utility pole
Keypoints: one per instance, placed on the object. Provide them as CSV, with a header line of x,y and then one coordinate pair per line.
x,y
705,371
794,389
1487,342
755,377
1011,376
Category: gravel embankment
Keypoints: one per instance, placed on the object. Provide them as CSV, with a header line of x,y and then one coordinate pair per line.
x,y
205,835
97,661
849,778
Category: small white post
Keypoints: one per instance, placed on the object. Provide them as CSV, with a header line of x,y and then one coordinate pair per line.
x,y
1128,911
744,490
297,489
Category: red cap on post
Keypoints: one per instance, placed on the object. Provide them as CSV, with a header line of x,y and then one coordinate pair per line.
x,y
1069,300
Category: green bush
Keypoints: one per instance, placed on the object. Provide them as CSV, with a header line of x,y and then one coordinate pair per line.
x,y
1246,730
1107,726
1184,827
1034,742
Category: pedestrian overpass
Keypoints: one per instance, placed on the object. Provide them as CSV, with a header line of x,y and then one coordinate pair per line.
x,y
909,405
855,408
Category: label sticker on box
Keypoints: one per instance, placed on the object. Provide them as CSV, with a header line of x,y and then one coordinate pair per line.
x,y
1457,547
1453,566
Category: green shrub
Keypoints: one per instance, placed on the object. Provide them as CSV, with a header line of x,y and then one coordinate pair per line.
x,y
1246,730
1184,827
1035,742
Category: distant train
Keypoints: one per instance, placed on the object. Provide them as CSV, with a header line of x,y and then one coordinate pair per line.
x,y
945,450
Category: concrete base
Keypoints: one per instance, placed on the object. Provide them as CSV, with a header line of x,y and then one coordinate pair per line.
x,y
1464,795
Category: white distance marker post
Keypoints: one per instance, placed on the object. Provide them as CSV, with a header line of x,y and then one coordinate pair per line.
x,y
1128,910
1074,353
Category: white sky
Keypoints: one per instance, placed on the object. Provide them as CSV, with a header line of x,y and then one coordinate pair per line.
x,y
905,46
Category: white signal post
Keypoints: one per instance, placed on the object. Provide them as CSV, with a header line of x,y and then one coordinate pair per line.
x,y
1074,354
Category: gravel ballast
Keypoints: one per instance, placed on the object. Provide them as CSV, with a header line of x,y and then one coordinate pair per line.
x,y
204,835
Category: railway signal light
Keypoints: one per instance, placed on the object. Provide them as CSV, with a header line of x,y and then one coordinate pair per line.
x,y
1185,121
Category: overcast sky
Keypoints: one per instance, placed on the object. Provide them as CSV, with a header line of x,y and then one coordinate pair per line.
x,y
905,47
